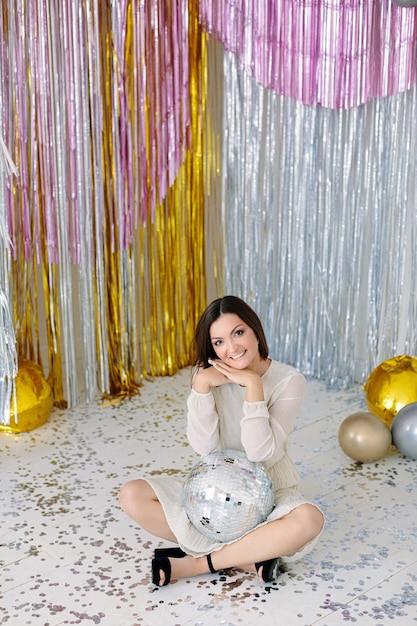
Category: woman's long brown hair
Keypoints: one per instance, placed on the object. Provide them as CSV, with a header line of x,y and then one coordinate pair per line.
x,y
228,304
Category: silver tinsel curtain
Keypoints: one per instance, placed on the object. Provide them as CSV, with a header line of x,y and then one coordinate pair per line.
x,y
320,229
8,351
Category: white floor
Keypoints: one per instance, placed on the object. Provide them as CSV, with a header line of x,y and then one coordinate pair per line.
x,y
68,555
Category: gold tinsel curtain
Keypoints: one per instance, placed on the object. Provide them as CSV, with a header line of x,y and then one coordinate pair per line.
x,y
102,109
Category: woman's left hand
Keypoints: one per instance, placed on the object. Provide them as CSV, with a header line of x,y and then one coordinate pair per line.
x,y
245,378
240,377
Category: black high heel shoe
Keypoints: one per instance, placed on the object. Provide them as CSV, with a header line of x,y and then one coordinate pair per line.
x,y
158,564
270,570
176,553
163,563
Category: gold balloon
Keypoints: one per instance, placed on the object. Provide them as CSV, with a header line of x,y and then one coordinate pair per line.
x,y
390,386
34,399
364,437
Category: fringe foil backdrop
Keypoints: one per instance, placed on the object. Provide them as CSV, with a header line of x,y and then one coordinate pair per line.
x,y
8,352
333,53
318,204
320,221
101,110
213,231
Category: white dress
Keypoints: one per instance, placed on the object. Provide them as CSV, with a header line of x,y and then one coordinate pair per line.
x,y
222,419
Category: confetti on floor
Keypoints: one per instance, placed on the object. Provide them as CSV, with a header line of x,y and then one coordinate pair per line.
x,y
69,555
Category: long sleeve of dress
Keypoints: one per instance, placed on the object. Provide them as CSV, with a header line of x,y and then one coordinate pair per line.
x,y
202,422
261,431
264,432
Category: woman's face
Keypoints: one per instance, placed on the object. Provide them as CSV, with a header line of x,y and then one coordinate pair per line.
x,y
234,342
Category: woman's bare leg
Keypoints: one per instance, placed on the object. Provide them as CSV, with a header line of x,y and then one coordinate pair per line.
x,y
278,538
138,500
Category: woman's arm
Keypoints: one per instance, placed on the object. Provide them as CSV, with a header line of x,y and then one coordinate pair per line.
x,y
264,432
202,418
202,422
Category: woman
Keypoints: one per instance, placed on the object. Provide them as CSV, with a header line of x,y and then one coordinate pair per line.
x,y
242,400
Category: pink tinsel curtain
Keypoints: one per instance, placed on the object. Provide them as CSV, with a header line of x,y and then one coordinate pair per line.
x,y
336,53
100,108
319,176
58,64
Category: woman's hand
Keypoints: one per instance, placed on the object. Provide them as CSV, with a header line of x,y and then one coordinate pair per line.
x,y
245,378
207,378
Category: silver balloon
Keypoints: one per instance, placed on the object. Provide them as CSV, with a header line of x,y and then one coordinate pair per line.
x,y
226,495
404,430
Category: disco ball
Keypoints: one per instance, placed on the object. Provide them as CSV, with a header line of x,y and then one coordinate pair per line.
x,y
225,495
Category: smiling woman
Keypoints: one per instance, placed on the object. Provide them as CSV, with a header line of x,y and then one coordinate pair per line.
x,y
231,339
238,358
240,400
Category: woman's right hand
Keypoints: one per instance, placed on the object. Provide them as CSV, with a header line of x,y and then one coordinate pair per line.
x,y
207,378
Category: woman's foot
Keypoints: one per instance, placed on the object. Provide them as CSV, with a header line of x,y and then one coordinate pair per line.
x,y
166,569
161,571
268,571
